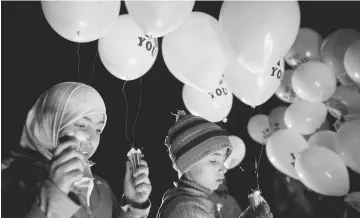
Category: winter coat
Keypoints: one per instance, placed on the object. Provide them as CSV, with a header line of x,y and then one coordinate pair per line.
x,y
190,200
225,204
25,181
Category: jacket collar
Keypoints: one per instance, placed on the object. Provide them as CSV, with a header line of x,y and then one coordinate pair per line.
x,y
195,187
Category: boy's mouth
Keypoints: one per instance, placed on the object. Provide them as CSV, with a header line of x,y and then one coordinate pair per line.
x,y
220,180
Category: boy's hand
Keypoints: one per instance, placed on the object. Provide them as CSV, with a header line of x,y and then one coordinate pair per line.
x,y
353,199
137,186
261,211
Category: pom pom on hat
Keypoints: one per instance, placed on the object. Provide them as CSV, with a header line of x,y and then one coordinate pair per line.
x,y
179,115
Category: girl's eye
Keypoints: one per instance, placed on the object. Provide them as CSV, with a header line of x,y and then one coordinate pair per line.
x,y
213,161
98,131
80,125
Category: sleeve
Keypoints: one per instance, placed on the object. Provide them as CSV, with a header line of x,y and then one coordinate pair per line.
x,y
54,203
124,210
188,211
32,202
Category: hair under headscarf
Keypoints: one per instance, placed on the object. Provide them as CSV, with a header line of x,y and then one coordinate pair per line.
x,y
57,108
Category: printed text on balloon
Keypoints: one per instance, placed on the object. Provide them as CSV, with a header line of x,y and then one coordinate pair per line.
x,y
279,73
148,45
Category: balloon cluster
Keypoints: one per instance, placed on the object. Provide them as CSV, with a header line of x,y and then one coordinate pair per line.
x,y
214,58
298,139
243,52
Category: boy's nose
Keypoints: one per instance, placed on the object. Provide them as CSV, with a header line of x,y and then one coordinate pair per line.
x,y
223,169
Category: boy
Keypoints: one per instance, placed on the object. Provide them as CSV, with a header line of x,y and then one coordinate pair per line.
x,y
198,150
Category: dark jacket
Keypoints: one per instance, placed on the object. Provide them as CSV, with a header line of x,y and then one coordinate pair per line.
x,y
225,204
190,200
25,181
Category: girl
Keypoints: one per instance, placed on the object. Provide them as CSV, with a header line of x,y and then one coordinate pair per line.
x,y
50,175
198,150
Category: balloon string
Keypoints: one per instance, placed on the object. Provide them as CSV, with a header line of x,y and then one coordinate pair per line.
x,y
78,67
258,167
126,117
137,113
93,70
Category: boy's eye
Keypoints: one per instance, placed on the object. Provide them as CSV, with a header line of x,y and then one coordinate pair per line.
x,y
213,161
98,131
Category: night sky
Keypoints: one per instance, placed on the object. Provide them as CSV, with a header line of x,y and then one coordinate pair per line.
x,y
35,57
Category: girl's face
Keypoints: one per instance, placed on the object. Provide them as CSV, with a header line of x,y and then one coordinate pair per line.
x,y
210,171
89,127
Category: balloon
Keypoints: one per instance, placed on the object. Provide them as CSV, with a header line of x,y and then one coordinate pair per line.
x,y
333,51
285,92
237,154
324,126
282,149
81,21
323,171
193,52
348,146
254,89
352,61
345,101
126,51
158,18
276,118
305,48
257,41
324,138
214,106
305,117
259,128
314,81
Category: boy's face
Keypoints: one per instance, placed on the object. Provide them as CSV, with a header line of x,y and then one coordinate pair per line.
x,y
210,171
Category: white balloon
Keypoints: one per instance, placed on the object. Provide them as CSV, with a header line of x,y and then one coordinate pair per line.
x,y
333,50
254,89
193,52
323,171
352,63
237,154
348,145
282,149
276,118
285,92
214,106
325,138
259,128
158,18
126,51
314,81
305,117
81,21
305,48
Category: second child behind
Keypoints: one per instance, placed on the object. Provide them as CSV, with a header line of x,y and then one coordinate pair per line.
x,y
198,150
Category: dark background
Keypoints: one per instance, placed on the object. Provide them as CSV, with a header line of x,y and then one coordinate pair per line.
x,y
35,57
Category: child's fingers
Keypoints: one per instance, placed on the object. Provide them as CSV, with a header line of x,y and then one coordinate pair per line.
x,y
143,188
63,146
142,178
141,170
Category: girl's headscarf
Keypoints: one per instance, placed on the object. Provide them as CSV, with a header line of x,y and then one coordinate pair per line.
x,y
57,108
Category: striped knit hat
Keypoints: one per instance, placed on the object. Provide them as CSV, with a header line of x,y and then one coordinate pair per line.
x,y
193,138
